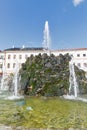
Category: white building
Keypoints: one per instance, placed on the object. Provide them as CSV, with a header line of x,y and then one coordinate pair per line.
x,y
79,56
12,57
1,62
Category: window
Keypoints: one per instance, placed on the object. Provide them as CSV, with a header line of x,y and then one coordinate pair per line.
x,y
19,65
78,55
71,55
9,56
20,56
85,64
0,65
8,65
13,65
78,64
84,55
1,57
26,56
14,56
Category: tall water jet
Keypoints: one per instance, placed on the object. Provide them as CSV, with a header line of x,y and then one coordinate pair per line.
x,y
46,38
16,80
73,88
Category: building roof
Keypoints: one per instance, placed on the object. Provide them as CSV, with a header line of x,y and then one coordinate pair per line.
x,y
72,49
23,49
41,49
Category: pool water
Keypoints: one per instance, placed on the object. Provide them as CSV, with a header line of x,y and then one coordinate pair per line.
x,y
41,112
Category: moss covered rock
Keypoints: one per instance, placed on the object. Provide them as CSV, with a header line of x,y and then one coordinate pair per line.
x,y
49,75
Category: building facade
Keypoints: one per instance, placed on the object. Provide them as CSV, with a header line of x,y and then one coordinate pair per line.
x,y
14,57
79,56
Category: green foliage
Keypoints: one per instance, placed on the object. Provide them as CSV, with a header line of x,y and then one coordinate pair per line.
x,y
45,73
48,75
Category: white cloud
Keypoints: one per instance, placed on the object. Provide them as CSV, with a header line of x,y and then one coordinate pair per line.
x,y
77,2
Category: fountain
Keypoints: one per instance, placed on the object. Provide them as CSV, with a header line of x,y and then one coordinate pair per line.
x,y
15,82
73,88
4,88
3,85
46,39
3,82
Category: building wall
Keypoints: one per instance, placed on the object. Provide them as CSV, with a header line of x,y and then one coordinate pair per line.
x,y
79,56
16,58
1,62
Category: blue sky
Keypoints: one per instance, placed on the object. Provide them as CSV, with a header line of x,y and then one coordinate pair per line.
x,y
22,23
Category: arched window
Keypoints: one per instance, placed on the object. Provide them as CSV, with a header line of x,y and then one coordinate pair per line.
x,y
9,56
26,56
20,56
13,65
85,65
14,56
8,65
